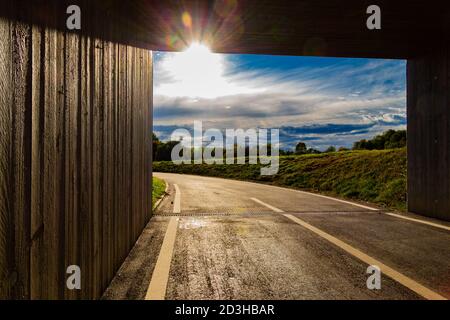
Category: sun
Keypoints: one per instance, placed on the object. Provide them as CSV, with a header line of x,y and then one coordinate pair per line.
x,y
197,73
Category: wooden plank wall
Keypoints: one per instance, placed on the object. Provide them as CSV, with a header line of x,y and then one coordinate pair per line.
x,y
429,134
75,158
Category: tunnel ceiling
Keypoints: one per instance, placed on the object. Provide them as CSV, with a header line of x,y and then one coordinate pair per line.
x,y
308,27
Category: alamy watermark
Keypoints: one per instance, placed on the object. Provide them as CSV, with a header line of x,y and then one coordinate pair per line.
x,y
73,21
374,20
73,281
234,146
374,280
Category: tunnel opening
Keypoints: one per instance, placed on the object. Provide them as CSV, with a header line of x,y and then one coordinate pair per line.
x,y
341,123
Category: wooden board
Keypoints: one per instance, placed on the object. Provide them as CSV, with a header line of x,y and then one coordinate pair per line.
x,y
306,27
75,116
429,134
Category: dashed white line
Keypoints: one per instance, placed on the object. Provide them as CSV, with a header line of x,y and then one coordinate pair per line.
x,y
177,200
267,205
393,274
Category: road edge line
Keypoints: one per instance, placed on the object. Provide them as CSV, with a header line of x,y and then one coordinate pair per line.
x,y
436,225
158,284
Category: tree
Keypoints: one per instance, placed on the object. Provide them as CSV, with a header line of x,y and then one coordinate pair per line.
x,y
155,143
284,152
164,151
313,151
388,140
300,148
330,149
341,149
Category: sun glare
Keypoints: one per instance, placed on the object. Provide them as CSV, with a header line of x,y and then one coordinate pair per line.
x,y
197,64
197,72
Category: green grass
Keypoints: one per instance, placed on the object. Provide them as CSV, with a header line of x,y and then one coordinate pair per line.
x,y
377,176
158,190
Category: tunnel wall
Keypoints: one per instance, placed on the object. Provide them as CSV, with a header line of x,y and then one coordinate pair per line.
x,y
75,157
428,108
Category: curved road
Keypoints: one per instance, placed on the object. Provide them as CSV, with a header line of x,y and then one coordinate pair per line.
x,y
214,238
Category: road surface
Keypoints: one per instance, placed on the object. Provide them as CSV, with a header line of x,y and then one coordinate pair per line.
x,y
214,238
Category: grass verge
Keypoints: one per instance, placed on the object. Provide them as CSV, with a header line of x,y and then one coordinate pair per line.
x,y
158,190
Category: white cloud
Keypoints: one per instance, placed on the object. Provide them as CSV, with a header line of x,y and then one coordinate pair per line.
x,y
223,94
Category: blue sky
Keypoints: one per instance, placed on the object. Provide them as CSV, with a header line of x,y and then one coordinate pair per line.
x,y
321,101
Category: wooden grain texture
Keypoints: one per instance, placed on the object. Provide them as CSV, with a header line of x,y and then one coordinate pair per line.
x,y
75,170
307,27
429,134
6,246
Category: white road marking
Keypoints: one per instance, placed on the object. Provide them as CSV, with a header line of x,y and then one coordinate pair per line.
x,y
177,200
267,205
335,199
393,274
158,284
418,221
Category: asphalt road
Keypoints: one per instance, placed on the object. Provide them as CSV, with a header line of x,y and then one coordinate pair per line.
x,y
214,238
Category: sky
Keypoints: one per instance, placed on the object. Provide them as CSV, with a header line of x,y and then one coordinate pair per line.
x,y
320,101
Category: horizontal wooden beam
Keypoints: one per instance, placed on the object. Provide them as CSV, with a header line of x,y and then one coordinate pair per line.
x,y
308,27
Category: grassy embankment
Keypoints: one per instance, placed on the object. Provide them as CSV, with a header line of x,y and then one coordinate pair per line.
x,y
377,176
158,190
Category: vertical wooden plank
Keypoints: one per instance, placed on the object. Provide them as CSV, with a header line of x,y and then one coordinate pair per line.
x,y
85,174
122,227
133,151
6,243
49,165
37,262
60,160
106,212
115,158
20,179
127,149
149,117
71,171
428,134
97,177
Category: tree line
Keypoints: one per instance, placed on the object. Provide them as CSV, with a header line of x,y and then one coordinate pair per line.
x,y
390,139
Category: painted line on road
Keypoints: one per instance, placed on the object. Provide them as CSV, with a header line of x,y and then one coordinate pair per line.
x,y
393,274
335,199
177,200
158,284
418,220
313,194
267,205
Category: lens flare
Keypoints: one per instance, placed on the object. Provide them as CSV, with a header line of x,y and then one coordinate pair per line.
x,y
186,19
198,73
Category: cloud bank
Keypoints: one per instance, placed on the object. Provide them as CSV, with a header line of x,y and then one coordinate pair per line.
x,y
319,101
